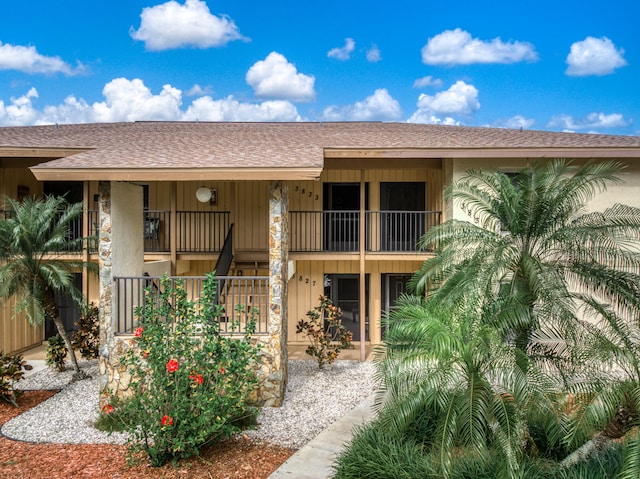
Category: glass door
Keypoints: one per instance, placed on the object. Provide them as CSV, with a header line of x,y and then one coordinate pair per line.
x,y
402,215
341,216
344,291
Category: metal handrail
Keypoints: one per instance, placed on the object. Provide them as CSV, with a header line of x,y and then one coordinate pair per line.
x,y
251,293
339,231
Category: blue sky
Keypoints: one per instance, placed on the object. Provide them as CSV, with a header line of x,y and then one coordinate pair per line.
x,y
558,65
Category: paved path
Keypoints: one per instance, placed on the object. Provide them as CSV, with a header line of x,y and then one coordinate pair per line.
x,y
314,459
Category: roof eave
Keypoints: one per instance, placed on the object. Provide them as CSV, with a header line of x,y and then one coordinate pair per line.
x,y
417,153
174,174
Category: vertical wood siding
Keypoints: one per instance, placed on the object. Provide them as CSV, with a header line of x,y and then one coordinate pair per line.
x,y
308,284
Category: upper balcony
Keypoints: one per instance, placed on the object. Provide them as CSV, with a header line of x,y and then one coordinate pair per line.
x,y
199,232
339,231
196,231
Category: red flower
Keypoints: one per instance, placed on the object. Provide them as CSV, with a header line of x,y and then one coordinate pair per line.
x,y
172,365
197,378
167,420
145,354
138,332
221,370
107,408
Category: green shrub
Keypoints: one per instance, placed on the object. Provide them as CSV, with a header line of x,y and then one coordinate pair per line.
x,y
86,339
191,384
117,417
11,371
374,454
56,353
325,332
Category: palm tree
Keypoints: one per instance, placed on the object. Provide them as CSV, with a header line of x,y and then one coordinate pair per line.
x,y
448,365
33,237
556,281
536,259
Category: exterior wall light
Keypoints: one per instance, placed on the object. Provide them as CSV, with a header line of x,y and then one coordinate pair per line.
x,y
204,195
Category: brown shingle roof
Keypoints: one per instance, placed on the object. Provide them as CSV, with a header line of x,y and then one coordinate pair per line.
x,y
170,145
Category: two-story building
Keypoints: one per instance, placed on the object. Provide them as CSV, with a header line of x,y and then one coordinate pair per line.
x,y
285,211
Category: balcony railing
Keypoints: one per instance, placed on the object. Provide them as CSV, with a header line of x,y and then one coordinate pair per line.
x,y
241,298
201,231
339,231
391,231
197,231
74,232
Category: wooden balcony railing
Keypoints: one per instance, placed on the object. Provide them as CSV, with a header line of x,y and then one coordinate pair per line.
x,y
241,298
339,231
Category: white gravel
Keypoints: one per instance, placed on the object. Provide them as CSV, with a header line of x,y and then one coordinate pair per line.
x,y
314,399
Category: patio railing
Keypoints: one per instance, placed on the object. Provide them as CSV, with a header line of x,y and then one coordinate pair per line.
x,y
339,231
239,296
197,231
201,231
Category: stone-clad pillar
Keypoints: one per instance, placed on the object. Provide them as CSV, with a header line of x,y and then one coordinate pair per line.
x,y
120,253
274,345
105,305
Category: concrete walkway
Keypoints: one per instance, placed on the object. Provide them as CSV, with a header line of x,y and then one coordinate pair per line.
x,y
314,459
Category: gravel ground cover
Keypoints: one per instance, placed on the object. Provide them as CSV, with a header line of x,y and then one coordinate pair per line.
x,y
314,399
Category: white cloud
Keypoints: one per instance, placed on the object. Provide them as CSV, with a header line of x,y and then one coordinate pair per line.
x,y
28,60
459,99
343,53
132,100
427,81
594,56
516,122
229,109
173,25
422,116
19,111
591,121
276,78
379,106
73,110
197,90
456,47
373,54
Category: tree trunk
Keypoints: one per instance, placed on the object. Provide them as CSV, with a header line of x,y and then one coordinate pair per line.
x,y
587,450
51,310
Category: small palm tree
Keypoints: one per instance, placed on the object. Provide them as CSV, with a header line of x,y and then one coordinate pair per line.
x,y
458,371
32,239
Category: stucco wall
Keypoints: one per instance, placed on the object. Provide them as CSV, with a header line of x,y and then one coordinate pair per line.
x,y
126,229
627,192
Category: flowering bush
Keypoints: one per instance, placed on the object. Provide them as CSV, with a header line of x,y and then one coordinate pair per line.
x,y
325,331
190,383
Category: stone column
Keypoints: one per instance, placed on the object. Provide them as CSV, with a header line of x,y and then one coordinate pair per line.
x,y
120,253
105,305
274,345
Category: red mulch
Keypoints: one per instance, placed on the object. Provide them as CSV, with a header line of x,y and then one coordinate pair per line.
x,y
238,458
